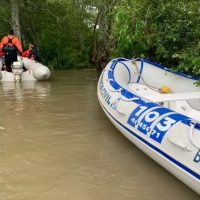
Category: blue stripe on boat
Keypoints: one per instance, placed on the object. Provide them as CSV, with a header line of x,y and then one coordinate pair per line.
x,y
168,157
141,69
130,95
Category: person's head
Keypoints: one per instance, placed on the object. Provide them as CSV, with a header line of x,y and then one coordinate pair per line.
x,y
11,32
31,46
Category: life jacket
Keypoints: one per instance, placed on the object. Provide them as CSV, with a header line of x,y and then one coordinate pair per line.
x,y
31,54
9,46
28,54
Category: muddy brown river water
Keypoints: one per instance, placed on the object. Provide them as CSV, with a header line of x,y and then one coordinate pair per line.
x,y
57,144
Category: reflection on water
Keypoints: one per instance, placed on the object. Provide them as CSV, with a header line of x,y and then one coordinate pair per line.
x,y
20,88
57,144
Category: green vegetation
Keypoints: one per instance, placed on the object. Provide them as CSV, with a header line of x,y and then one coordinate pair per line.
x,y
165,31
83,33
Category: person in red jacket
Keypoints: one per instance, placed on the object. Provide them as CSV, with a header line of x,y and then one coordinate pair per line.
x,y
31,52
10,46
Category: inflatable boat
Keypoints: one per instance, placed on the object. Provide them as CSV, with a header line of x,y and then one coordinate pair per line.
x,y
25,70
158,110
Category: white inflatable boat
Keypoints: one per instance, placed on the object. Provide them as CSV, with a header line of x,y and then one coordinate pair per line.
x,y
158,110
34,71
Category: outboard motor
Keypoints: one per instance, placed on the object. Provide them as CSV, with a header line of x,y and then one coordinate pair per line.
x,y
17,70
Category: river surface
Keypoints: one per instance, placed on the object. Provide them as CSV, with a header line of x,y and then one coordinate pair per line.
x,y
57,144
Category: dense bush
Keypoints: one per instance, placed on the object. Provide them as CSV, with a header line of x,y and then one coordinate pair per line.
x,y
166,31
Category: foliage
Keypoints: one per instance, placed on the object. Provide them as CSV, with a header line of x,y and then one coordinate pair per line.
x,y
163,31
60,32
57,27
5,17
78,33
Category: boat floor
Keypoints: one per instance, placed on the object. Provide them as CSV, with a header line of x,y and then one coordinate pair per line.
x,y
174,101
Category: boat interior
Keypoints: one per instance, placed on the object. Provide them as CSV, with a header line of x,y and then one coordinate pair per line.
x,y
174,101
154,83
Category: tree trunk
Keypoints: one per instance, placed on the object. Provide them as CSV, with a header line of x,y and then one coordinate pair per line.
x,y
101,51
94,41
15,17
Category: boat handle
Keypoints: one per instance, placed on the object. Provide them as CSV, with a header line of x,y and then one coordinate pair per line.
x,y
116,107
120,111
192,126
179,144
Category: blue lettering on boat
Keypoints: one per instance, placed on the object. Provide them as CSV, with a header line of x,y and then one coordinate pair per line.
x,y
153,121
137,112
106,96
197,157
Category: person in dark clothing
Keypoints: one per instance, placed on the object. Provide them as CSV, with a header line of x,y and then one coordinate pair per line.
x,y
11,46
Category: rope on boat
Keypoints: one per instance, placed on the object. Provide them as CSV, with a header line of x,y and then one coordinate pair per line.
x,y
153,88
179,144
118,90
192,127
133,60
109,79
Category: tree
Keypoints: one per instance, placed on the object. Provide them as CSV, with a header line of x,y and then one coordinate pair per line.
x,y
160,31
5,18
102,27
77,33
15,17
